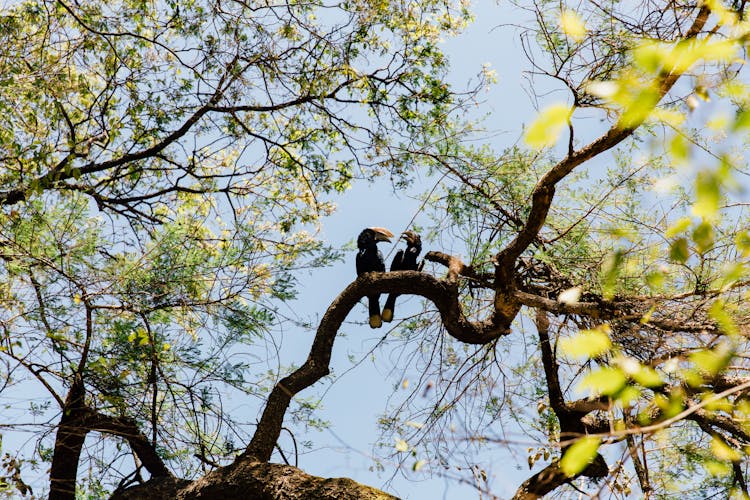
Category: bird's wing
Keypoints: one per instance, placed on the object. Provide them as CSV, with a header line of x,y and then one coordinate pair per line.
x,y
397,263
380,264
360,264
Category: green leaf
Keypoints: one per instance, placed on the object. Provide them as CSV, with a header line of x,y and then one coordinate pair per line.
x,y
607,381
703,236
742,240
587,343
655,280
679,251
546,129
718,312
712,361
579,455
707,195
610,272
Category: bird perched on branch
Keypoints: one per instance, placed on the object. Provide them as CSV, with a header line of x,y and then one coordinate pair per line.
x,y
405,260
370,259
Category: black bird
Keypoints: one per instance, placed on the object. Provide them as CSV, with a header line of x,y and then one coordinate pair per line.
x,y
370,259
403,261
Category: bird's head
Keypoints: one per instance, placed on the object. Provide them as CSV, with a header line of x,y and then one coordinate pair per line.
x,y
412,239
373,235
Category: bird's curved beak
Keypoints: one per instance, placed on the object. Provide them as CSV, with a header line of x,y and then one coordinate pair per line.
x,y
382,234
409,236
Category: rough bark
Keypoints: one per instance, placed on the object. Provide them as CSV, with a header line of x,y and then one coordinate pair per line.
x,y
246,479
69,440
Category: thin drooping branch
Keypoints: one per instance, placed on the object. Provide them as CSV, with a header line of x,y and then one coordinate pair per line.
x,y
442,293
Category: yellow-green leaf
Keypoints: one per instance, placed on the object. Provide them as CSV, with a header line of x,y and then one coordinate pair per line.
x,y
731,273
607,381
678,227
579,455
655,280
679,251
610,272
716,468
719,313
402,446
707,195
723,451
712,361
572,25
742,240
647,377
587,343
546,129
703,236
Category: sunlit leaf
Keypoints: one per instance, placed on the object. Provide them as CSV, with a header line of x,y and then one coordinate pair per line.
x,y
579,455
628,396
679,148
572,25
716,468
742,240
610,271
546,129
707,195
587,343
648,377
402,446
607,381
719,313
418,465
723,451
679,226
712,361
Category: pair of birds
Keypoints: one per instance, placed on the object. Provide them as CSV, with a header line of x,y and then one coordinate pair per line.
x,y
369,259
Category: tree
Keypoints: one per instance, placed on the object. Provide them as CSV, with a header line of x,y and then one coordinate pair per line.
x,y
164,169
139,123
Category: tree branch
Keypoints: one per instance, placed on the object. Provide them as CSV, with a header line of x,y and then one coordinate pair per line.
x,y
442,293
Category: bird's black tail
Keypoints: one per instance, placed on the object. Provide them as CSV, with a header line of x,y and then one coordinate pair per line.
x,y
374,306
390,307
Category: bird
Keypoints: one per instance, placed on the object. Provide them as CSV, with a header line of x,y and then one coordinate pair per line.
x,y
369,259
403,261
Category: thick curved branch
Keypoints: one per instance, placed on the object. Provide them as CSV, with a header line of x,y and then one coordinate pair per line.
x,y
443,293
544,191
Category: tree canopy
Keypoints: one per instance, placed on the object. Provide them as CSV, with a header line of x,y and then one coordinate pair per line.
x,y
166,168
